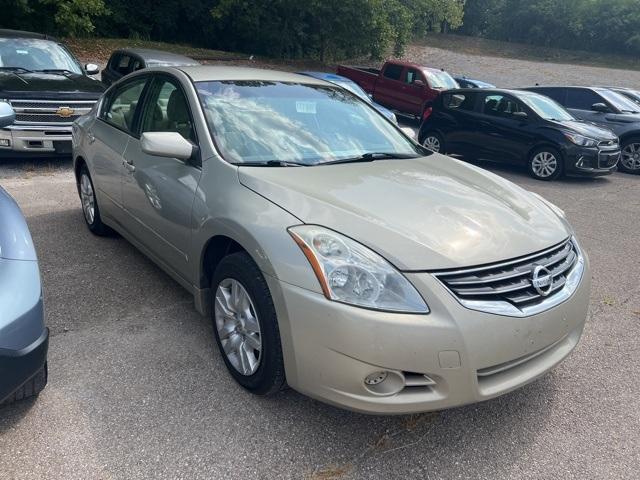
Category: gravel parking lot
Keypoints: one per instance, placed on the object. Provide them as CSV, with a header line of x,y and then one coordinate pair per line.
x,y
138,389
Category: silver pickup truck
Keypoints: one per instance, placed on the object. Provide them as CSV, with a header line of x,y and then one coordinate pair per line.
x,y
48,89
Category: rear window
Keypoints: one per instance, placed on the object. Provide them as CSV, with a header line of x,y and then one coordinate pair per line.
x,y
459,101
393,71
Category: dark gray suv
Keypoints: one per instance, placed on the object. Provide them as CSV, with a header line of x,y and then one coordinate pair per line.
x,y
606,108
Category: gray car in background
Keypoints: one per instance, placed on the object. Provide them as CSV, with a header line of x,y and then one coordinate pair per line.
x,y
24,339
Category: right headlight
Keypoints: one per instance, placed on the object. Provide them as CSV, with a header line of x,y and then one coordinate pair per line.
x,y
351,273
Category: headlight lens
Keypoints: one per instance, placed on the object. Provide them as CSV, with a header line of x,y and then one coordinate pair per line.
x,y
580,140
351,273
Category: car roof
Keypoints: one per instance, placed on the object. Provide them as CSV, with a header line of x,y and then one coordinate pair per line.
x,y
327,76
222,73
8,33
158,57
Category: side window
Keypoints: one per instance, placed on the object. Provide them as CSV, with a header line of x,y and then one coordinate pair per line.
x,y
459,101
501,106
412,76
393,71
120,109
582,98
136,65
168,111
122,66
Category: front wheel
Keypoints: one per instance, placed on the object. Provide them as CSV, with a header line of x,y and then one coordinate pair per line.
x,y
545,163
630,157
434,142
246,326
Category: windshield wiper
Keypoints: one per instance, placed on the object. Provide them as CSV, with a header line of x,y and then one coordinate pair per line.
x,y
17,69
372,157
62,71
271,163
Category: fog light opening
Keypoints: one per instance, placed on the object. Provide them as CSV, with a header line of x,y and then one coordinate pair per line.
x,y
5,142
384,382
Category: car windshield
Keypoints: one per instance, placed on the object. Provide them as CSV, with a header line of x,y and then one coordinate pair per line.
x,y
36,55
262,122
545,107
441,80
619,101
353,88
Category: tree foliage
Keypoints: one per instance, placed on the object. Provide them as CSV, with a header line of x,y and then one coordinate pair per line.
x,y
598,25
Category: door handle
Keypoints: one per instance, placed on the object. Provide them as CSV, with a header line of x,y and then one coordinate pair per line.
x,y
129,166
484,124
91,137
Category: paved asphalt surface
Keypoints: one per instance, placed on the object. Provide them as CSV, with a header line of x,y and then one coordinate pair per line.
x,y
138,390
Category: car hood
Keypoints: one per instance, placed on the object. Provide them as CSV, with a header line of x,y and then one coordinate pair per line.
x,y
422,214
49,86
588,129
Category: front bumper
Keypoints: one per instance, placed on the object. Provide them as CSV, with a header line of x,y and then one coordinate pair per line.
x,y
17,367
467,356
590,161
35,141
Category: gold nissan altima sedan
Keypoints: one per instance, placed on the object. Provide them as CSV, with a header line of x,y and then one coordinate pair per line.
x,y
332,252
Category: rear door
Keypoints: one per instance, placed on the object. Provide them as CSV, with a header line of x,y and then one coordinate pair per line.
x,y
458,120
503,135
388,91
158,192
109,136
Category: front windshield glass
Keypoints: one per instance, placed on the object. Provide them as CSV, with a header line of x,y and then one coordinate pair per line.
x,y
545,107
441,80
355,89
264,121
35,55
619,101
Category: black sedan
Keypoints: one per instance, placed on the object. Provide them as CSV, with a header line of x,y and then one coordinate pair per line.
x,y
518,127
128,60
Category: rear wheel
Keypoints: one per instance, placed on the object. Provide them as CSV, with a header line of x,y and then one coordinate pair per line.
x,y
246,326
90,208
630,158
434,142
545,163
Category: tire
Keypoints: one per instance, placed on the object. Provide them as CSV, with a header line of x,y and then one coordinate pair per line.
x,y
545,163
630,157
434,142
89,203
31,388
239,330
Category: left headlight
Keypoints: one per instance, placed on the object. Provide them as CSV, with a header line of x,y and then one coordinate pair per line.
x,y
351,273
580,140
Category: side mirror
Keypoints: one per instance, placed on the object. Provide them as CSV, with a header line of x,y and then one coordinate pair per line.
x,y
166,144
92,69
418,83
520,115
7,115
409,132
599,107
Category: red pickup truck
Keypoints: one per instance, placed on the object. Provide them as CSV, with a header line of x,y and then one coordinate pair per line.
x,y
402,86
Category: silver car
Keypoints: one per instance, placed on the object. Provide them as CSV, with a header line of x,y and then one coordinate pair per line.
x,y
24,339
331,251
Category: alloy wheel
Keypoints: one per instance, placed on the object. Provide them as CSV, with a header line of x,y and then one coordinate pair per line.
x,y
238,327
631,156
87,197
544,164
432,143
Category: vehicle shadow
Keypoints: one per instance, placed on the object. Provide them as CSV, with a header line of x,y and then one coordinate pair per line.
x,y
11,415
29,167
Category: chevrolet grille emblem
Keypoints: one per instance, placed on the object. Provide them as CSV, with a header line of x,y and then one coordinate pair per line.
x,y
65,112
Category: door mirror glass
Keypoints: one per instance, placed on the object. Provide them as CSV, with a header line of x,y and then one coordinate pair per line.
x,y
91,69
599,107
520,115
418,83
166,144
7,115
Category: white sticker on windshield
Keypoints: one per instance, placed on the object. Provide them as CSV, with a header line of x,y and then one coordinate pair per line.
x,y
22,52
306,107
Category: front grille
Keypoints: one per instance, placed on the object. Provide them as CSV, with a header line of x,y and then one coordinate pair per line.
x,y
607,160
49,112
510,283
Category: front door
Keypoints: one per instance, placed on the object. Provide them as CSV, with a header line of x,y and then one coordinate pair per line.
x,y
158,192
